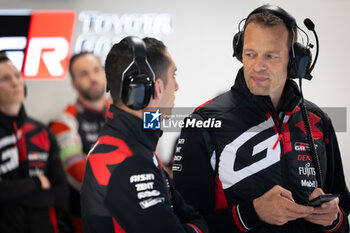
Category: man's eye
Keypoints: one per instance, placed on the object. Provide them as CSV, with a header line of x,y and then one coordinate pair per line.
x,y
5,78
271,56
83,74
97,69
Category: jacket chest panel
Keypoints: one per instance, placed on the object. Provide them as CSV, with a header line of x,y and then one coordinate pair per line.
x,y
266,155
29,151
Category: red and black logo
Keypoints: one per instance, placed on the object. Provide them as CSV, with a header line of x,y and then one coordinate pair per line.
x,y
37,42
300,146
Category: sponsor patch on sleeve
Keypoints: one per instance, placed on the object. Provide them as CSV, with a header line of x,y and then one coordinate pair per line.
x,y
144,186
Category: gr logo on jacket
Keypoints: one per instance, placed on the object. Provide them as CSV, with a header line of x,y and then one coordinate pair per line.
x,y
28,149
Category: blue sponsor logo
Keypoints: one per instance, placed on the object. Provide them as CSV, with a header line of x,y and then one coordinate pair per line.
x,y
151,120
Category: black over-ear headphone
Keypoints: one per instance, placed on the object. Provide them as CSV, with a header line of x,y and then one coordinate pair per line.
x,y
137,83
300,56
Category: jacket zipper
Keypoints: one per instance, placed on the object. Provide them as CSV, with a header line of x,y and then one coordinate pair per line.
x,y
19,143
278,123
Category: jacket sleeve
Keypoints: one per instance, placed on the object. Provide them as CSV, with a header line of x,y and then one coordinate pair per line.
x,y
195,178
335,181
27,190
138,191
57,195
13,190
70,148
190,219
56,175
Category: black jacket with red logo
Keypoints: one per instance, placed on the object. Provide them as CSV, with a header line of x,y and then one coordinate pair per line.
x,y
28,149
220,171
139,195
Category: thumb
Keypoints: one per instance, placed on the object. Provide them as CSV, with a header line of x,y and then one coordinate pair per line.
x,y
317,192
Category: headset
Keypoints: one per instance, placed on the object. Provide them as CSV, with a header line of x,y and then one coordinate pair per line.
x,y
138,79
300,58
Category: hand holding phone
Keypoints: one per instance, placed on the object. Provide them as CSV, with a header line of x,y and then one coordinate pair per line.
x,y
322,199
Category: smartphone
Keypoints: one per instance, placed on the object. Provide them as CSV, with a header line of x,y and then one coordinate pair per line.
x,y
321,199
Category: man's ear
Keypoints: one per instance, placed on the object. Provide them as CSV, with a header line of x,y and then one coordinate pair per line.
x,y
158,88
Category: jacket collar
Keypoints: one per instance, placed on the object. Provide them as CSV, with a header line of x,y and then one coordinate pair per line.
x,y
82,108
7,122
292,96
133,127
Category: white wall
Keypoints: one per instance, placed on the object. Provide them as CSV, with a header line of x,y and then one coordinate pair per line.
x,y
201,46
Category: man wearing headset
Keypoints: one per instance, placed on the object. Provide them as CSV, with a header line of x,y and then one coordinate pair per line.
x,y
256,172
125,188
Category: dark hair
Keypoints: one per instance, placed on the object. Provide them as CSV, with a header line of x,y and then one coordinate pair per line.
x,y
3,57
75,57
120,56
267,19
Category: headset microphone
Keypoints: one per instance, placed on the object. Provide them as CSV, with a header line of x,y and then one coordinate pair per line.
x,y
311,26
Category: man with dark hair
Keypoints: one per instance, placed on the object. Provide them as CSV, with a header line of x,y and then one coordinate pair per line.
x,y
125,188
77,129
33,187
257,173
114,66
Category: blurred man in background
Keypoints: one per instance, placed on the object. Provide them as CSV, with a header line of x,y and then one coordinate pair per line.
x,y
77,129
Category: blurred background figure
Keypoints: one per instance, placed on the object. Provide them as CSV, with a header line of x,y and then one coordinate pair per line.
x,y
77,128
33,187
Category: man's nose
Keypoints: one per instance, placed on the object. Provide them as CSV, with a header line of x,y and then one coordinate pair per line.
x,y
176,86
260,64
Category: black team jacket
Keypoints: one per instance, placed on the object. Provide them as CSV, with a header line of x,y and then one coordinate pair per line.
x,y
221,170
139,196
27,149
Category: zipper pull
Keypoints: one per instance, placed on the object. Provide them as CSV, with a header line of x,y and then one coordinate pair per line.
x,y
278,139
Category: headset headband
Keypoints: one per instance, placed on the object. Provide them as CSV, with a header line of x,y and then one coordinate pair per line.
x,y
288,20
139,61
137,45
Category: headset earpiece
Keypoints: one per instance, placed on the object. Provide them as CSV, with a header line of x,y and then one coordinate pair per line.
x,y
137,83
238,45
137,91
299,66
